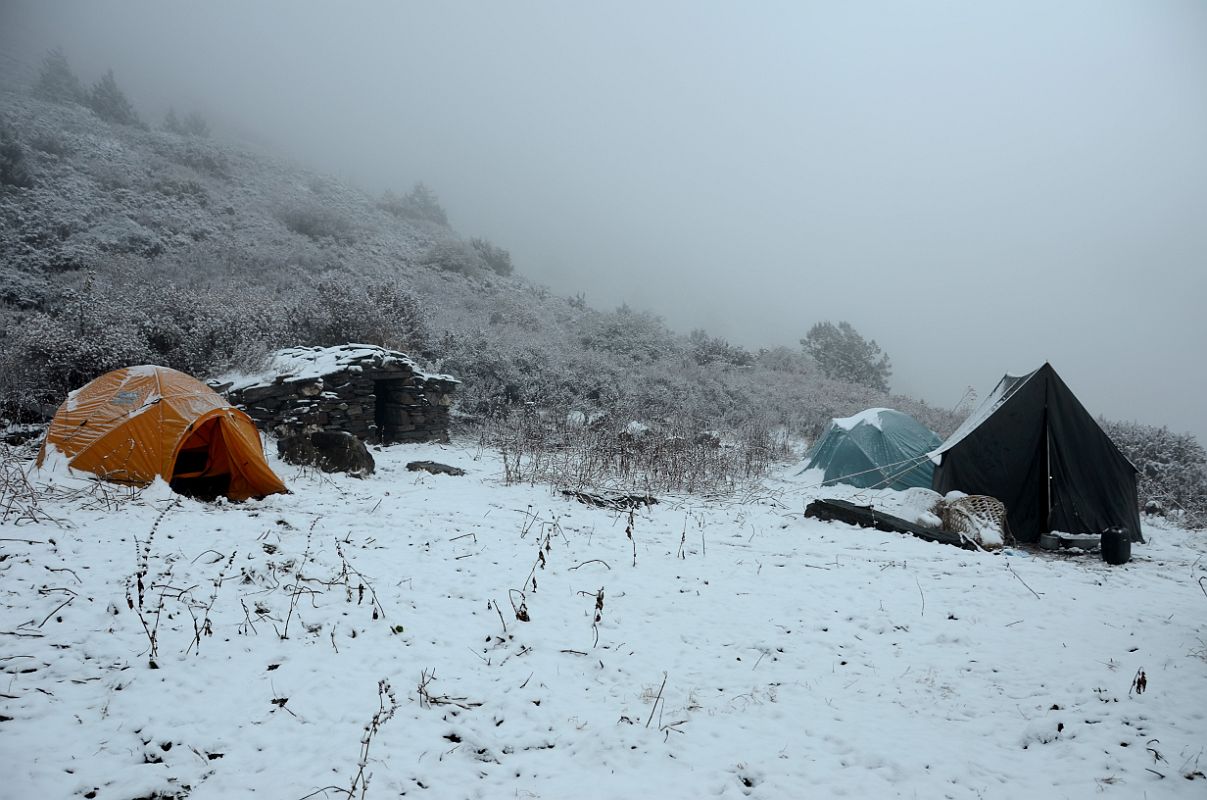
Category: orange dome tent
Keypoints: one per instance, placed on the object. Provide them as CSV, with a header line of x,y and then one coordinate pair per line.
x,y
133,424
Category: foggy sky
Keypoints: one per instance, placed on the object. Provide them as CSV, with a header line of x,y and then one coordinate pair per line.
x,y
978,186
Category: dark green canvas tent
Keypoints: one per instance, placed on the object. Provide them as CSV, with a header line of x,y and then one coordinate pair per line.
x,y
878,448
1034,446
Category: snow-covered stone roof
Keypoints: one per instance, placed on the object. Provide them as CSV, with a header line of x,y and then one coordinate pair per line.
x,y
296,364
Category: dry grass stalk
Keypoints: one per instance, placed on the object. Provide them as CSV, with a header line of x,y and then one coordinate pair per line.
x,y
387,704
536,448
297,590
428,700
206,626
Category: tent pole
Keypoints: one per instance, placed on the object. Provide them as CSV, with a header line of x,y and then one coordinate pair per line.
x,y
1047,521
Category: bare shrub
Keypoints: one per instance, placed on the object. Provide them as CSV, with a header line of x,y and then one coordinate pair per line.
x,y
552,448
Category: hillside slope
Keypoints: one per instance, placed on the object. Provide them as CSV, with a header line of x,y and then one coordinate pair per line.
x,y
162,247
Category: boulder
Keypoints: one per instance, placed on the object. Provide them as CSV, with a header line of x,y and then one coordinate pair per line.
x,y
329,451
434,467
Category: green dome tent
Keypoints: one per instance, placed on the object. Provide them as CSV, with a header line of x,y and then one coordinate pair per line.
x,y
878,448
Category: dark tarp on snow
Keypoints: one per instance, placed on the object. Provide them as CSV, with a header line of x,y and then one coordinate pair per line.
x,y
1030,427
877,448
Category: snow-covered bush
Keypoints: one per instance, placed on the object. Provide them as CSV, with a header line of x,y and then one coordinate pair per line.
x,y
204,159
126,236
204,331
498,259
496,372
632,335
786,359
14,170
713,349
317,222
1172,468
179,184
44,357
50,143
454,255
334,310
21,290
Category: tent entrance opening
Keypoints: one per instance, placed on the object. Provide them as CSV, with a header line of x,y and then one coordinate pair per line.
x,y
202,467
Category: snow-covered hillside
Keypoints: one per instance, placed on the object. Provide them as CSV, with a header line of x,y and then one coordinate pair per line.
x,y
740,649
236,253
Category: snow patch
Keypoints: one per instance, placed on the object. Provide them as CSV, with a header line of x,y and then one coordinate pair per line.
x,y
869,416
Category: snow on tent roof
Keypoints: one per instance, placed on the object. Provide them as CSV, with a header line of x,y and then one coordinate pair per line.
x,y
1005,388
871,416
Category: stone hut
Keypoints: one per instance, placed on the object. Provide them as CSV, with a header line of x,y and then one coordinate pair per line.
x,y
376,394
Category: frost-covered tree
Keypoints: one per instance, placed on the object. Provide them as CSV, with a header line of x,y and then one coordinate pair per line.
x,y
843,354
171,122
56,82
420,203
110,103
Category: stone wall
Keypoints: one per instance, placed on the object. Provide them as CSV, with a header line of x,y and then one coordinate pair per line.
x,y
376,394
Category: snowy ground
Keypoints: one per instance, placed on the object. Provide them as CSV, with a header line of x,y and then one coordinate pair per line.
x,y
748,652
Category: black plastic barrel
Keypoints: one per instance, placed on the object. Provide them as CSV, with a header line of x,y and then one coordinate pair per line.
x,y
1116,546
